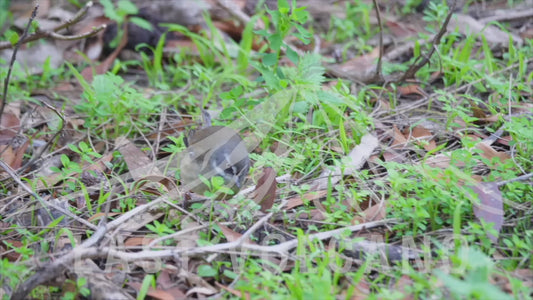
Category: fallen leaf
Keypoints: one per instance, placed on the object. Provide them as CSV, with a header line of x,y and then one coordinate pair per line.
x,y
154,293
490,208
360,68
410,90
489,153
373,213
138,241
352,162
468,26
12,255
265,190
421,133
401,30
230,234
138,163
398,138
234,292
99,215
391,155
309,196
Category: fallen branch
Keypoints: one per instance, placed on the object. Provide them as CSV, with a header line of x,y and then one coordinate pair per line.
x,y
40,34
421,61
14,57
84,251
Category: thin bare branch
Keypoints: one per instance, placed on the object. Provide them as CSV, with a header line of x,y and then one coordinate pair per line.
x,y
40,34
423,60
84,251
51,140
14,57
378,75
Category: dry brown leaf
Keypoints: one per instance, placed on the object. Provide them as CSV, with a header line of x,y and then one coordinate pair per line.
x,y
526,275
138,163
138,241
12,255
491,119
99,215
421,133
468,26
391,155
504,140
230,235
374,213
234,292
360,68
100,165
309,196
489,153
172,129
410,90
168,285
10,124
154,293
398,138
439,161
265,190
401,30
167,182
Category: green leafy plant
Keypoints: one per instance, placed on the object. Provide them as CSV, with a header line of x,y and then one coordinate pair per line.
x,y
159,228
472,281
109,100
355,26
284,20
81,289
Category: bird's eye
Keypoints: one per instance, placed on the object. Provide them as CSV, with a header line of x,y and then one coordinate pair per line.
x,y
231,171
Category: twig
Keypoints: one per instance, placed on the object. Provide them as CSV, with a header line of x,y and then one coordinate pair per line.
x,y
48,143
83,252
39,34
410,73
378,75
44,203
519,178
234,10
509,15
77,17
14,57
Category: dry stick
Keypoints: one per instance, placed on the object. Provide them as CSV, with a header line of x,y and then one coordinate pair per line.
x,y
45,204
53,32
519,178
378,76
48,143
55,268
509,15
454,90
14,57
234,10
410,73
83,252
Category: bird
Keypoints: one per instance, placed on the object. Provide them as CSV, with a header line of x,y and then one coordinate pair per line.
x,y
214,151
